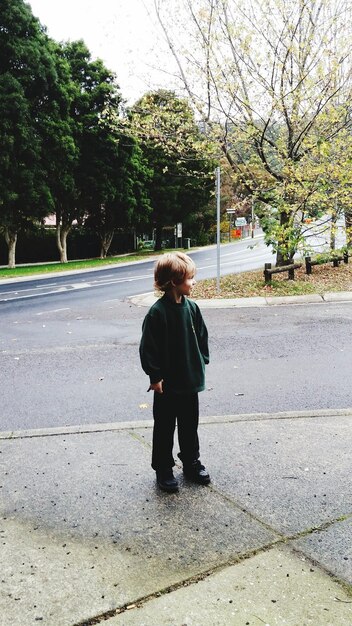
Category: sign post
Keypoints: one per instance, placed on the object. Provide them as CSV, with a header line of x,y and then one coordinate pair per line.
x,y
179,234
230,212
218,229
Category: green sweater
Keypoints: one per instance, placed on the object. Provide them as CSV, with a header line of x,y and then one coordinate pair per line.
x,y
174,345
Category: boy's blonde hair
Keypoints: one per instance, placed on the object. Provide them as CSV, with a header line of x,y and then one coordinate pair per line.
x,y
173,267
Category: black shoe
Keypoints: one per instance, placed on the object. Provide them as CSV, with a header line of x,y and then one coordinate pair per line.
x,y
166,480
196,472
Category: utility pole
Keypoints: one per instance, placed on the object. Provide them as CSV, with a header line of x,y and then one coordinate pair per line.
x,y
217,188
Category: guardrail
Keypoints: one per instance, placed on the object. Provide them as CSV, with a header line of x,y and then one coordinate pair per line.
x,y
268,270
334,259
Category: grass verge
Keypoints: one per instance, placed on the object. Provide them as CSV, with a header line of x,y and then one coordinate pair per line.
x,y
248,284
47,268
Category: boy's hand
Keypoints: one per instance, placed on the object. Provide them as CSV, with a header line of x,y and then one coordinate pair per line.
x,y
158,387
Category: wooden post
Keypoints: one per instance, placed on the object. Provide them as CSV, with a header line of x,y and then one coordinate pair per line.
x,y
335,262
291,273
345,257
267,274
308,265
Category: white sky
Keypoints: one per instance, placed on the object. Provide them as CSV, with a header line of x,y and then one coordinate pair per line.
x,y
123,33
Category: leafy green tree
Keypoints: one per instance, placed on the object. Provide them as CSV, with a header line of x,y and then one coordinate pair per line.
x,y
179,156
60,150
94,91
27,73
120,199
271,81
331,165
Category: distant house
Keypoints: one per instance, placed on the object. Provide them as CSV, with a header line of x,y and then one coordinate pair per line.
x,y
50,221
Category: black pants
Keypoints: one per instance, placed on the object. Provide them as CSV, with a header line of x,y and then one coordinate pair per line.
x,y
168,407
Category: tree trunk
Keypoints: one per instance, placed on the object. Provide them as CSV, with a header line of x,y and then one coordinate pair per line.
x,y
283,254
281,259
105,243
11,240
348,227
333,230
61,240
158,237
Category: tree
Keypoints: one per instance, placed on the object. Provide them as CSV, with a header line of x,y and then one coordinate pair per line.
x,y
60,149
333,195
94,92
121,199
178,154
27,73
271,81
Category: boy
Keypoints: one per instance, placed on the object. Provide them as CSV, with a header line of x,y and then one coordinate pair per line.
x,y
174,351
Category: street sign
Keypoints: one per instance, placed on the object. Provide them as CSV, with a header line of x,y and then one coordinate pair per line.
x,y
241,221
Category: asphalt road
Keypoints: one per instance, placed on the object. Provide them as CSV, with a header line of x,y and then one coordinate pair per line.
x,y
84,288
79,366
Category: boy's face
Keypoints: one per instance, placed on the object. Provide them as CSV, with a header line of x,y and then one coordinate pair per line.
x,y
185,288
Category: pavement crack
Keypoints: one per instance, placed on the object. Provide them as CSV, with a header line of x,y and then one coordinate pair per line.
x,y
243,509
187,582
320,528
281,536
343,584
200,576
140,439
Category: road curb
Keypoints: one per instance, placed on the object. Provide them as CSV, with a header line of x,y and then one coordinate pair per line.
x,y
138,424
148,299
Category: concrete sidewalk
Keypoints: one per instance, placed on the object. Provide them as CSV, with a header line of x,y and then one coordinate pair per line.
x,y
87,538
